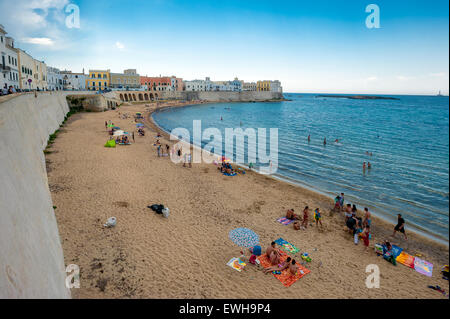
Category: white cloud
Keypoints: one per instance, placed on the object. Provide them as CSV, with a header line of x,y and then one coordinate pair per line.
x,y
40,41
372,78
404,78
438,75
119,45
38,22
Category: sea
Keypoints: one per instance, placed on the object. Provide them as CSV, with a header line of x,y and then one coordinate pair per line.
x,y
406,141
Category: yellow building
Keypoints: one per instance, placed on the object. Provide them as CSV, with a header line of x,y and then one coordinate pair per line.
x,y
263,86
98,80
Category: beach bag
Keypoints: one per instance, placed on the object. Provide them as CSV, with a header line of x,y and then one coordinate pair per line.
x,y
252,259
111,222
165,212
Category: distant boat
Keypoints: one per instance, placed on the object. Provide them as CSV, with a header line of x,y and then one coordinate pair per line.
x,y
439,94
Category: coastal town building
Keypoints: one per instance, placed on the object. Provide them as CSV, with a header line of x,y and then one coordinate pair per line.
x,y
128,80
9,64
208,85
248,86
162,83
98,80
32,72
54,79
269,86
74,81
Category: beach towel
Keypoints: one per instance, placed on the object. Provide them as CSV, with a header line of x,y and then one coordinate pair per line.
x,y
396,251
110,143
406,259
287,246
232,174
423,267
236,264
286,278
285,221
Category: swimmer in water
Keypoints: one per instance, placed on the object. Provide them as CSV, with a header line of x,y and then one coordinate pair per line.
x,y
364,166
336,141
221,118
369,166
325,141
309,138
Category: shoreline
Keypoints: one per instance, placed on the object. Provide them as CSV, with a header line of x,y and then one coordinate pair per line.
x,y
375,216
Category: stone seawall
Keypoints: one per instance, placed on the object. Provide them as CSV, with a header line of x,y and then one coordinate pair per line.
x,y
214,96
246,96
31,256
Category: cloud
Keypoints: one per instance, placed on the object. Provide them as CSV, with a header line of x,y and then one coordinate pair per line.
x,y
39,22
404,78
40,41
438,75
372,78
119,45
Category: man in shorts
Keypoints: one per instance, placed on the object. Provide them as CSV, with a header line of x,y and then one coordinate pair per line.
x,y
400,226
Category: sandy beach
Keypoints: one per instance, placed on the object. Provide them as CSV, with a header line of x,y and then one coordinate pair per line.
x,y
185,256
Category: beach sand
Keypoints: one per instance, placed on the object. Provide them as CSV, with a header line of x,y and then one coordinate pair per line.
x,y
185,256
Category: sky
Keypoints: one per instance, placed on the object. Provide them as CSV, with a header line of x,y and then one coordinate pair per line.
x,y
310,46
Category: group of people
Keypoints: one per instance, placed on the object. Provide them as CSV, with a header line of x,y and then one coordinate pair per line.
x,y
7,90
274,254
290,214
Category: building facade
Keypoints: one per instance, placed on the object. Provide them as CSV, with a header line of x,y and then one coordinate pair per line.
x,y
74,81
9,63
248,86
54,79
98,80
271,86
129,79
162,83
32,73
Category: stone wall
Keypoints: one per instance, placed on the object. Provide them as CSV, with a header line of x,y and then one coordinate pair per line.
x,y
31,256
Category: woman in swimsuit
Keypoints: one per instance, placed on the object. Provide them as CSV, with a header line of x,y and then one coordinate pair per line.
x,y
305,217
279,267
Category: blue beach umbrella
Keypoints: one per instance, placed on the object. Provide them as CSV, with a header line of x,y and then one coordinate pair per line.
x,y
116,128
244,237
139,125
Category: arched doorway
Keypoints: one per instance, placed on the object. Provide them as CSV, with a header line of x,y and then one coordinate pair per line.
x,y
126,97
146,96
151,96
140,97
121,96
156,96
134,97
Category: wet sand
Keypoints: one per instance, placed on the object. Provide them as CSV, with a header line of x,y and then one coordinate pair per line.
x,y
185,256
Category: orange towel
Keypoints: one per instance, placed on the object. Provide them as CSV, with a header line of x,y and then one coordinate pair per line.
x,y
406,260
285,277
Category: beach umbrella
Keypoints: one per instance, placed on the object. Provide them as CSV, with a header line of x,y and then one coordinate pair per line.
x,y
110,125
139,125
244,237
116,128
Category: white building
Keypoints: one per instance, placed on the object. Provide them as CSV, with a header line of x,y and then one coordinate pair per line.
x,y
9,63
208,85
73,81
275,86
54,79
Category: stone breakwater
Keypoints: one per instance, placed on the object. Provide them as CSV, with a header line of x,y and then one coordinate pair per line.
x,y
31,256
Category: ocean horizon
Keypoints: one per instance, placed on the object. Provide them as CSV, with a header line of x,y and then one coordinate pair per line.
x,y
408,139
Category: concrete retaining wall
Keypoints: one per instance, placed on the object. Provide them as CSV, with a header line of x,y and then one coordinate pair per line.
x,y
215,96
31,256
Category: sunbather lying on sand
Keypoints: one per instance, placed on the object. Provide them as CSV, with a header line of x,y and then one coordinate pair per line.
x,y
293,268
280,267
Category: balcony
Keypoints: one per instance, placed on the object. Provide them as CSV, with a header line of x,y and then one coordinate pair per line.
x,y
4,68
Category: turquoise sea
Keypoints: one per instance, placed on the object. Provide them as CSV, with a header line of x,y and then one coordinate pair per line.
x,y
408,139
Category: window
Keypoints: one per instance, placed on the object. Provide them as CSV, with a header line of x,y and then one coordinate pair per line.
x,y
93,84
104,76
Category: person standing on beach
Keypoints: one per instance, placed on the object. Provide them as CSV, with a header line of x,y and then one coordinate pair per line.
x,y
305,217
159,150
348,212
318,217
400,226
132,135
365,237
106,125
367,221
342,201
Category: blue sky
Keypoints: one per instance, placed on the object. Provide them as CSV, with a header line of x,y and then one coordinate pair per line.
x,y
310,46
